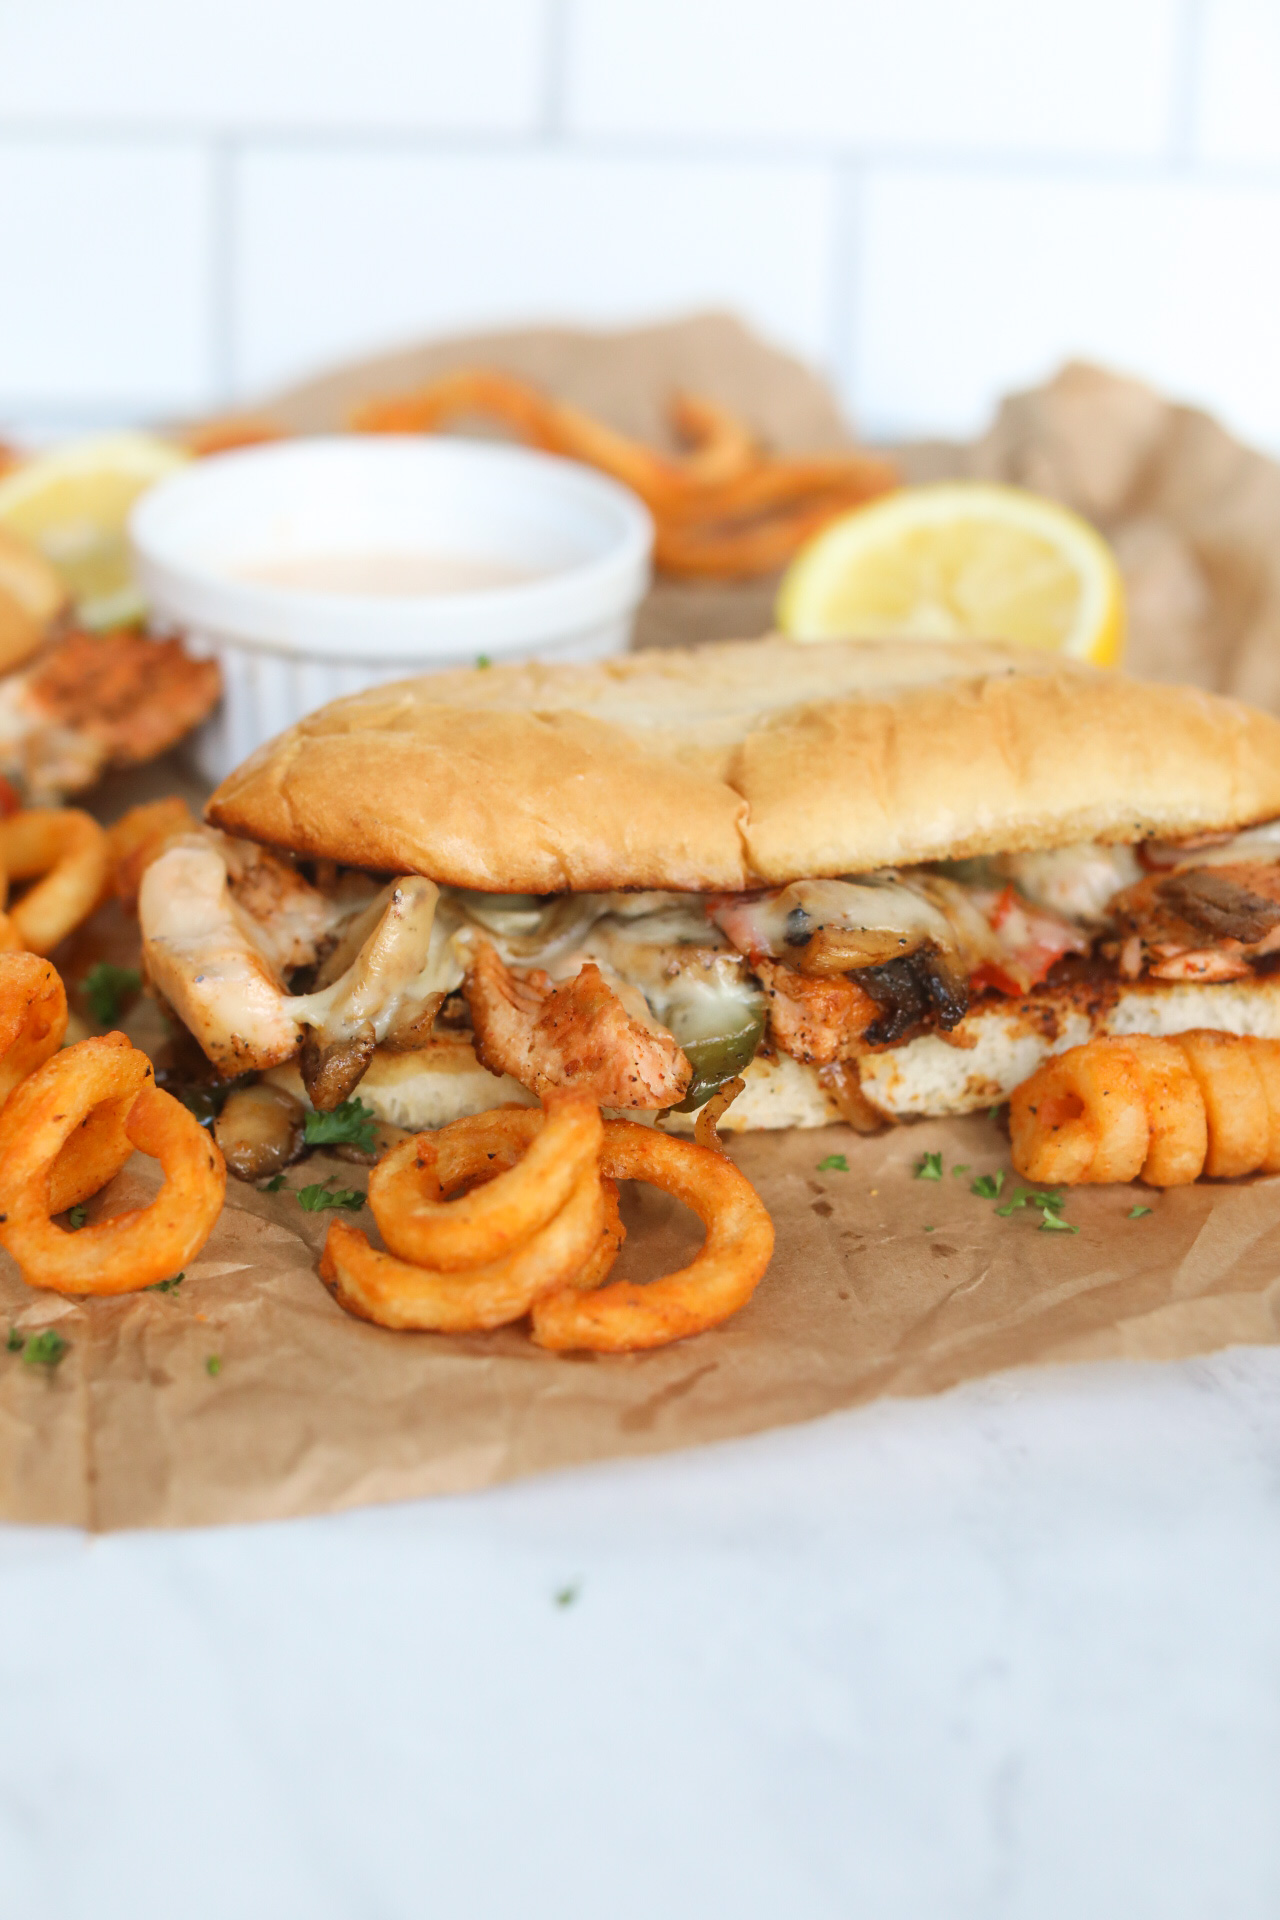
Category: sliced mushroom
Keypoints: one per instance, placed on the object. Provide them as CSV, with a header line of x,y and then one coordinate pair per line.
x,y
332,1070
261,1129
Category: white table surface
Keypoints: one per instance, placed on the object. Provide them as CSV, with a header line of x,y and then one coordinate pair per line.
x,y
1012,1652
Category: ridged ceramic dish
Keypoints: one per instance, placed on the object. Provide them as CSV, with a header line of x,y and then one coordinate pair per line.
x,y
537,557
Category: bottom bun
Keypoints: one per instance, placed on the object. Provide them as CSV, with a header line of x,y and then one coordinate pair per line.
x,y
992,1051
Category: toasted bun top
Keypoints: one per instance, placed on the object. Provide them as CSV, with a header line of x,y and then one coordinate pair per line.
x,y
748,761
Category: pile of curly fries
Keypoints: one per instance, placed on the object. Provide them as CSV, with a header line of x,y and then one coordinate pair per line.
x,y
723,510
537,1230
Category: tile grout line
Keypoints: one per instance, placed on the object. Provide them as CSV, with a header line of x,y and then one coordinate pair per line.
x,y
555,29
1184,106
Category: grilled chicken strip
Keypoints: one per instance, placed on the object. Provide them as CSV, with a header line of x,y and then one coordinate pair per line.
x,y
1199,923
817,1021
220,967
578,1034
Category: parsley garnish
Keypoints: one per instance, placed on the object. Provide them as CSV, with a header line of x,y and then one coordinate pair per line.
x,y
213,1365
107,987
350,1125
565,1596
834,1163
273,1185
961,1167
930,1168
168,1286
76,1217
987,1185
1054,1223
931,1229
1137,1213
317,1198
14,1342
43,1349
483,660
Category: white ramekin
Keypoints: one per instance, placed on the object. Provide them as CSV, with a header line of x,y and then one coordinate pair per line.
x,y
284,652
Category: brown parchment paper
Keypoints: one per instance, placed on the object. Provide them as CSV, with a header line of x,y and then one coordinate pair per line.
x,y
882,1283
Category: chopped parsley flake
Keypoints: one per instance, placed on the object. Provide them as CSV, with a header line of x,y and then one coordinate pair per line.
x,y
931,1229
961,1167
316,1199
1019,1199
168,1286
76,1217
213,1365
483,660
350,1125
834,1163
930,1168
44,1349
987,1185
273,1185
565,1596
1137,1213
14,1342
106,988
1054,1223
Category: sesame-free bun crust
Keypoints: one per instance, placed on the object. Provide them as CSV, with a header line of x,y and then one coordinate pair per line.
x,y
749,761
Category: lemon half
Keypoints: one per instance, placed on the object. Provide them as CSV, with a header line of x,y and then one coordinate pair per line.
x,y
960,561
73,504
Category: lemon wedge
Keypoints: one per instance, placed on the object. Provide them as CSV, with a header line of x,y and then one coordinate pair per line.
x,y
963,560
73,503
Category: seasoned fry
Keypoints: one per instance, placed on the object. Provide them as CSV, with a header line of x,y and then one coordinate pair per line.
x,y
620,1317
1179,1137
609,1245
136,1248
395,1293
1210,1103
33,1017
1266,1059
723,510
1236,1116
406,1187
67,849
1082,1119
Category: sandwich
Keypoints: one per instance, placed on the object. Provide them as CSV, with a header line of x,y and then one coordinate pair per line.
x,y
869,881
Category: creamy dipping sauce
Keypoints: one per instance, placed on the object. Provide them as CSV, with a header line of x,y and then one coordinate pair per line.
x,y
388,575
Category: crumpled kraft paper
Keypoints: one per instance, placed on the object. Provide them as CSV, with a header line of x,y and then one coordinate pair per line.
x,y
882,1282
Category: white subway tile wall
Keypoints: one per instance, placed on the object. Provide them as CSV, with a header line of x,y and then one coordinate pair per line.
x,y
935,202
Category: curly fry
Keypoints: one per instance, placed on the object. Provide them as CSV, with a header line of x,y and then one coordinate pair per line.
x,y
1081,1119
1179,1138
33,1017
723,510
1209,1103
397,1293
136,1248
723,550
406,1187
721,446
68,850
33,1023
1236,1117
621,1318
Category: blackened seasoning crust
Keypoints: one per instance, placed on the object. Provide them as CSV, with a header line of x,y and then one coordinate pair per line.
x,y
909,990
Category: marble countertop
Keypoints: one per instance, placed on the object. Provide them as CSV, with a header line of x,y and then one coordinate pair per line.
x,y
1014,1651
